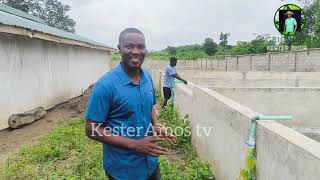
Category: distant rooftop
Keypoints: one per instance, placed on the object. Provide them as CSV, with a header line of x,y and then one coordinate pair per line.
x,y
16,18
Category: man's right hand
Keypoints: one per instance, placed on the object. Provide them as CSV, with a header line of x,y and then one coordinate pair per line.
x,y
148,146
185,82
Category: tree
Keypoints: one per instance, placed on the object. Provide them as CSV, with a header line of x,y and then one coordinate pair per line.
x,y
210,47
53,12
310,35
171,50
258,45
310,17
224,39
22,5
317,18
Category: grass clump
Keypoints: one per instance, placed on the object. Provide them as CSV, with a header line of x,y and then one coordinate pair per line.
x,y
65,153
185,164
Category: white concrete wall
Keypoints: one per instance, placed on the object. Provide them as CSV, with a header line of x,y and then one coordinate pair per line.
x,y
224,148
281,152
301,103
40,73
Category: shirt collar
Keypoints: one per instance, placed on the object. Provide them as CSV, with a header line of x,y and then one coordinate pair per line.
x,y
124,77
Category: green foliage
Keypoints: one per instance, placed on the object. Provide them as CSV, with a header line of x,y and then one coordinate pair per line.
x,y
66,153
210,47
250,172
258,45
171,50
317,15
187,52
188,166
310,18
310,36
23,5
116,56
52,11
180,127
224,39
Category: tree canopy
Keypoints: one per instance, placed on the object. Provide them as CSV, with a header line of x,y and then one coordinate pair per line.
x,y
210,47
224,39
171,50
52,11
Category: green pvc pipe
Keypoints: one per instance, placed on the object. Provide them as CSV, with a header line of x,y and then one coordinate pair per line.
x,y
253,127
172,97
276,118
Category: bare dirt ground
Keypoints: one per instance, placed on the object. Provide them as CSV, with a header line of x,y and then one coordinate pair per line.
x,y
12,140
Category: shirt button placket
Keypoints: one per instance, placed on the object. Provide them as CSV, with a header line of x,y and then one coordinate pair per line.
x,y
141,105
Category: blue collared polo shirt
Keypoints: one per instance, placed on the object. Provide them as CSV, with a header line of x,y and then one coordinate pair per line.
x,y
124,108
168,77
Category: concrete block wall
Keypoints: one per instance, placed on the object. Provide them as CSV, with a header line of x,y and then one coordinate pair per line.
x,y
308,60
283,61
244,63
232,63
260,62
221,65
292,61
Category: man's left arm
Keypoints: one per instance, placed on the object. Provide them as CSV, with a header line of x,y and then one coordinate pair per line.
x,y
177,76
295,25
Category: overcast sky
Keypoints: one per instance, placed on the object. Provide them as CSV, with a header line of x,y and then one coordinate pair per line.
x,y
175,22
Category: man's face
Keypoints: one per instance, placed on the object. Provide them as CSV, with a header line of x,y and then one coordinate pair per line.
x,y
133,50
288,15
173,63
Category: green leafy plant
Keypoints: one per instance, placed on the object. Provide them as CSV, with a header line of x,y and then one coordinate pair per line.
x,y
187,165
250,172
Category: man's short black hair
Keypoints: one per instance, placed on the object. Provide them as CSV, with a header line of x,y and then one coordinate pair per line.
x,y
172,59
128,30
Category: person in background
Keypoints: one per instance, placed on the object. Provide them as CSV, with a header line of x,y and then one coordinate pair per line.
x,y
170,75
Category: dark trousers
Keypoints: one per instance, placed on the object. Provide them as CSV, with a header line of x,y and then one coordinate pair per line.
x,y
154,176
167,95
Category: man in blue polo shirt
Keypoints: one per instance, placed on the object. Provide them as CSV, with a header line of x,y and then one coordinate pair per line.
x,y
121,115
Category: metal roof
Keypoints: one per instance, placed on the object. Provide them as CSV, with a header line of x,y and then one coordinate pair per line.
x,y
13,17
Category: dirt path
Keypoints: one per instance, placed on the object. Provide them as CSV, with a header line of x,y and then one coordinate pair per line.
x,y
12,140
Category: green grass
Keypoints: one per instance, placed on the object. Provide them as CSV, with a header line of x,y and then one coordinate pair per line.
x,y
66,153
189,165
